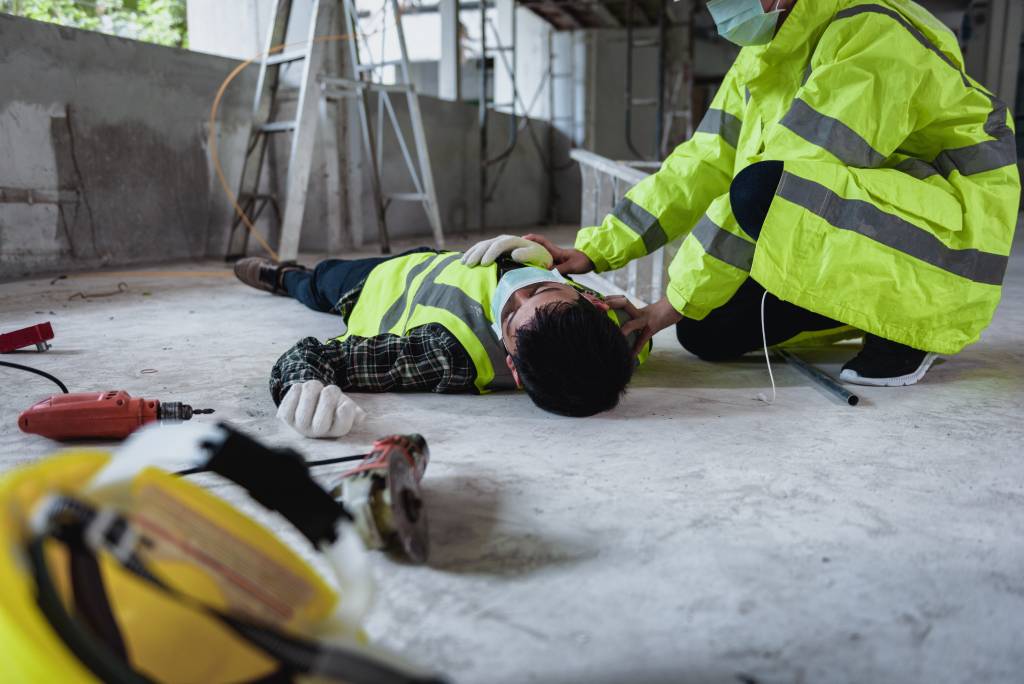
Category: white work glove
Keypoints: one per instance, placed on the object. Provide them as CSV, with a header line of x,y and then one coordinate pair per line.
x,y
486,252
317,411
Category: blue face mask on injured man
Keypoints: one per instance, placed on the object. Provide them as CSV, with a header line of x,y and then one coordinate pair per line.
x,y
513,281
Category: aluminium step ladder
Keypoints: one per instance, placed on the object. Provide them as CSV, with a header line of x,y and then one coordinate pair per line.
x,y
316,89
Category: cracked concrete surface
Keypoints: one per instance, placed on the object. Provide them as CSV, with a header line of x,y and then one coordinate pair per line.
x,y
694,534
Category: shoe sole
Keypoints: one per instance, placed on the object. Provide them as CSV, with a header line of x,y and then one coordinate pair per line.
x,y
856,378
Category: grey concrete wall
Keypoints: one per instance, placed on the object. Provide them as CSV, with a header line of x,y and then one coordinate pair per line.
x,y
103,154
606,88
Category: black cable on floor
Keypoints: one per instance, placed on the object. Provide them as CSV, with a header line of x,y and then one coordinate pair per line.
x,y
63,387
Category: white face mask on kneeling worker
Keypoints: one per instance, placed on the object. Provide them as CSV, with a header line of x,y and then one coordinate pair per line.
x,y
517,279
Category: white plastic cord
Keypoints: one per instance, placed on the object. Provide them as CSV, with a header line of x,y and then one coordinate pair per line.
x,y
764,340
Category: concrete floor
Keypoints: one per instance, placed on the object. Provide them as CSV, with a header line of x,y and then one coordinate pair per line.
x,y
695,534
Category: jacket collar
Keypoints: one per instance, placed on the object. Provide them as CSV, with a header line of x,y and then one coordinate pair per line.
x,y
807,18
796,37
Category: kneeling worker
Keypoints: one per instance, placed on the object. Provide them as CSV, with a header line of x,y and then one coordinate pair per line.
x,y
445,322
850,168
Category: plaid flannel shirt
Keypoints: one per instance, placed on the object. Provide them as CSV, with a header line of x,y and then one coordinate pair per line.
x,y
426,359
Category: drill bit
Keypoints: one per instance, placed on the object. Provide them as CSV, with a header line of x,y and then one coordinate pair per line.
x,y
175,410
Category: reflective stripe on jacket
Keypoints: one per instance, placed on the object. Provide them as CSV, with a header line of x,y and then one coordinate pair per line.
x,y
899,199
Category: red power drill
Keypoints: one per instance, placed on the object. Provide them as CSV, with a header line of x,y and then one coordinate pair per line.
x,y
98,415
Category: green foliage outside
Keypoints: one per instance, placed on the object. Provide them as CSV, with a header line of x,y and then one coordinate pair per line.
x,y
152,21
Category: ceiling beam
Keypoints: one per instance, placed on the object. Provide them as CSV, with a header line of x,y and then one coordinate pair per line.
x,y
555,13
601,11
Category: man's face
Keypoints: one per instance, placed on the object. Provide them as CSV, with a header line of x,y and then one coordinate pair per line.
x,y
523,304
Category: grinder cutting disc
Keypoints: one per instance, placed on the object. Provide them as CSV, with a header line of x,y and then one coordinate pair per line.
x,y
408,513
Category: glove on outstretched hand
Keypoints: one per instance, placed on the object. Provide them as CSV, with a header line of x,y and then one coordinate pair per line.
x,y
523,251
313,410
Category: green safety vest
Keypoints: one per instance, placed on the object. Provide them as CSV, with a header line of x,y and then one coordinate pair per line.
x,y
423,288
899,197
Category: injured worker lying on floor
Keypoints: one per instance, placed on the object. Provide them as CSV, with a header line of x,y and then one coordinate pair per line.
x,y
494,318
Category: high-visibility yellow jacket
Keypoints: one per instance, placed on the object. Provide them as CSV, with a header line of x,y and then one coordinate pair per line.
x,y
897,206
413,290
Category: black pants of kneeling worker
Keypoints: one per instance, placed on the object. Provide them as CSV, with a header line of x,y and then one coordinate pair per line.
x,y
734,328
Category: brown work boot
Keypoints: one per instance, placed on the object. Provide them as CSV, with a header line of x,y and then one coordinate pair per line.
x,y
264,274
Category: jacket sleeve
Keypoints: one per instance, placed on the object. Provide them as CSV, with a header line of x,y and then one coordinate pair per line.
x,y
668,203
427,359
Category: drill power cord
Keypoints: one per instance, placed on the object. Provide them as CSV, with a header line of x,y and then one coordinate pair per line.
x,y
312,464
30,369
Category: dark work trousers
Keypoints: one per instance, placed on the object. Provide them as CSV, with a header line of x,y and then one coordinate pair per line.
x,y
321,288
734,328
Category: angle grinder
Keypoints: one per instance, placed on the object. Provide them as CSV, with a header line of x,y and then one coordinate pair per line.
x,y
383,495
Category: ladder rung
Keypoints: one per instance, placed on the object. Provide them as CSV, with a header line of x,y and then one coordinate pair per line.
x,y
390,87
332,84
375,65
501,48
564,74
644,102
277,127
406,196
338,93
285,57
645,43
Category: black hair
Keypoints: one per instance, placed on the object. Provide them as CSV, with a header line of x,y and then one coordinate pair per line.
x,y
572,359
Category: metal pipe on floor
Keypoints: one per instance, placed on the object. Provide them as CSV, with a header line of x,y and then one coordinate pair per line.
x,y
819,377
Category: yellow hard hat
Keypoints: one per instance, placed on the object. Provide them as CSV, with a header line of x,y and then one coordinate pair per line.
x,y
116,570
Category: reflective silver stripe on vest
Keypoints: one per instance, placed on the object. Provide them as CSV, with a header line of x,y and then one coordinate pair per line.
x,y
394,313
831,135
980,157
642,222
458,303
917,168
469,311
723,245
984,156
892,231
718,122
